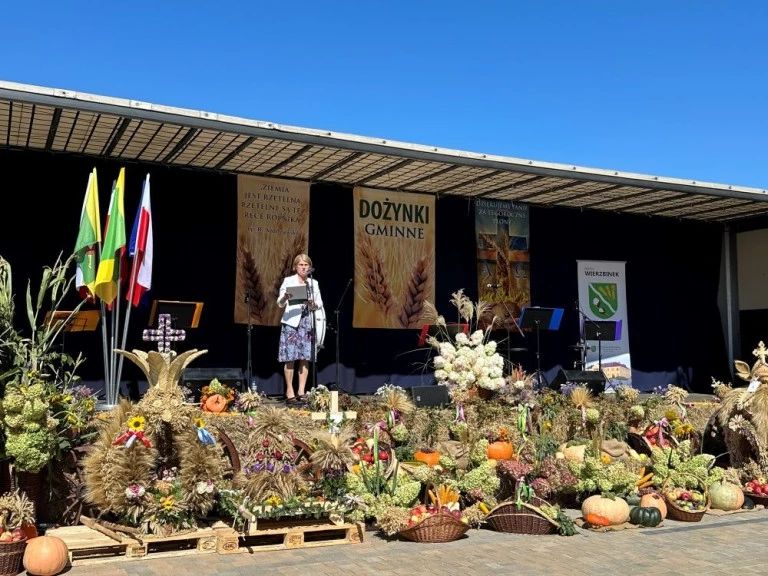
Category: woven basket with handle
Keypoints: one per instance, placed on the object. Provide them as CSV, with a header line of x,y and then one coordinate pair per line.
x,y
439,527
527,518
674,511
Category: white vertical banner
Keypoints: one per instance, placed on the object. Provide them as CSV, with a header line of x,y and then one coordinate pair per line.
x,y
603,303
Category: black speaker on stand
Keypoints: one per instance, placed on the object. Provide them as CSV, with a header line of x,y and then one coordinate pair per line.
x,y
593,379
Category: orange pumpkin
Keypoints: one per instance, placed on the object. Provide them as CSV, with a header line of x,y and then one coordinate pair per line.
x,y
500,451
45,556
654,500
429,458
215,403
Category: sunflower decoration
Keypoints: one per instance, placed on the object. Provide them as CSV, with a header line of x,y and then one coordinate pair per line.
x,y
136,425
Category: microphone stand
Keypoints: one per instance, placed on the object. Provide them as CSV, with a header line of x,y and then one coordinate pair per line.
x,y
313,329
338,332
583,338
248,365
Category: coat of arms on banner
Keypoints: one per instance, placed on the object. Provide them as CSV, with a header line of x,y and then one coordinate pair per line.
x,y
603,299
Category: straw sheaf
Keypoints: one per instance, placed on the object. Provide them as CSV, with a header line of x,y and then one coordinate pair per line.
x,y
251,280
298,246
415,295
502,263
374,273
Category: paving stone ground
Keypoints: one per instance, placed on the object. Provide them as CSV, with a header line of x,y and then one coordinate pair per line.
x,y
733,544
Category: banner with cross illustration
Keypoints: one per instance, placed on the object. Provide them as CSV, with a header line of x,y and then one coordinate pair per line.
x,y
603,301
502,231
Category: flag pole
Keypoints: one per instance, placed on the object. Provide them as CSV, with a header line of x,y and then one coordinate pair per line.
x,y
115,327
105,355
131,286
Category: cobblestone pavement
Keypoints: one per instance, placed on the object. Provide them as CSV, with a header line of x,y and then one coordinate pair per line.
x,y
717,545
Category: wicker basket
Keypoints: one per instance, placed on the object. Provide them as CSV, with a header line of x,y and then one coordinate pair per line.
x,y
761,499
528,519
440,527
640,444
677,513
11,556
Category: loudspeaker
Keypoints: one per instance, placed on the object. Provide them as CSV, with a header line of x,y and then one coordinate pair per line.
x,y
593,379
195,378
436,395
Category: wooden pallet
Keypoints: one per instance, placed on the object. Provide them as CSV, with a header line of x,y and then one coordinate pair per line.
x,y
269,535
87,546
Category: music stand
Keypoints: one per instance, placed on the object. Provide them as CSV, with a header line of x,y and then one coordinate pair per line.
x,y
82,321
437,330
184,315
537,318
608,330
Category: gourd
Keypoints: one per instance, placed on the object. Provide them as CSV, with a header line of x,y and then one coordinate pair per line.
x,y
645,516
429,458
500,451
215,403
654,500
601,511
45,556
725,496
573,453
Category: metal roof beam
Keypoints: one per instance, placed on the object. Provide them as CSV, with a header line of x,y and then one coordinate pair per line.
x,y
120,129
384,172
335,166
526,197
52,130
472,181
590,193
642,203
180,145
248,141
421,179
31,123
511,186
694,201
288,160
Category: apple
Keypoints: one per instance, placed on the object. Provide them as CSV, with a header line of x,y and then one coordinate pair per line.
x,y
6,537
18,534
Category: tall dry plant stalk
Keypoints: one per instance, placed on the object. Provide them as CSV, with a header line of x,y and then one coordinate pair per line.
x,y
252,282
415,294
376,284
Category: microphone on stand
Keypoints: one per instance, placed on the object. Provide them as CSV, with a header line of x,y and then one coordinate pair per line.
x,y
310,271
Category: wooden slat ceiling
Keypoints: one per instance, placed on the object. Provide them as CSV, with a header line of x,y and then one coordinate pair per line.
x,y
62,121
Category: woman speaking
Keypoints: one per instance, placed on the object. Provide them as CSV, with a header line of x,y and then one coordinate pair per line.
x,y
296,325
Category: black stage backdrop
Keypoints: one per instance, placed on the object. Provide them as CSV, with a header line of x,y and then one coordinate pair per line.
x,y
673,271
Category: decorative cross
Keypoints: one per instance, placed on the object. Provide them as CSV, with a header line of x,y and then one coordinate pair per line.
x,y
334,416
761,352
164,334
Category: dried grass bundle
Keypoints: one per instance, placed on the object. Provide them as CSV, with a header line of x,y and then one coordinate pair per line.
x,y
198,461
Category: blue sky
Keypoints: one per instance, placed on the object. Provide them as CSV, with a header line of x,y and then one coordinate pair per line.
x,y
670,89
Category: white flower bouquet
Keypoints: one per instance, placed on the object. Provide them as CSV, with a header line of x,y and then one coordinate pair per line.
x,y
466,361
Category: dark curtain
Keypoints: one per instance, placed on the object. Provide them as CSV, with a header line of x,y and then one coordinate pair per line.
x,y
672,274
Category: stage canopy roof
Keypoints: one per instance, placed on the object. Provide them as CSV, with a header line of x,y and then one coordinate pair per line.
x,y
65,121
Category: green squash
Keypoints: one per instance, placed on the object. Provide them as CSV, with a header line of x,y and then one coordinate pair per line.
x,y
749,504
647,516
633,498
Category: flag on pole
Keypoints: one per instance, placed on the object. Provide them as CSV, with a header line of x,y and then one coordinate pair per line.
x,y
114,244
88,239
140,248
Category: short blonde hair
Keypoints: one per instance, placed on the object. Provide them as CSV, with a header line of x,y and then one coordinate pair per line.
x,y
302,258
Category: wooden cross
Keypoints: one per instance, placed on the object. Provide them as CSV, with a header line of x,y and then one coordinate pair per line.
x,y
164,334
761,352
333,414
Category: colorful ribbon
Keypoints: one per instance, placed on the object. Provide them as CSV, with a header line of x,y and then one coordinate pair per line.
x,y
460,417
205,437
129,437
662,423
